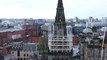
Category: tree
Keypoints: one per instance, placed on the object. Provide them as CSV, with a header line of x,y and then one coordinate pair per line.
x,y
43,45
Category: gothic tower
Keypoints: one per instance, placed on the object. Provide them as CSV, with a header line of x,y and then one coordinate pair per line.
x,y
60,24
60,35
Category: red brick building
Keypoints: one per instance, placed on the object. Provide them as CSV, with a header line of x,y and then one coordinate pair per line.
x,y
7,36
32,30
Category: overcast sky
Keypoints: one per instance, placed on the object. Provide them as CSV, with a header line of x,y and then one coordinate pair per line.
x,y
47,8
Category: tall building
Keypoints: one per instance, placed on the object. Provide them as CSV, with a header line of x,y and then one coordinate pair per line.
x,y
60,35
60,24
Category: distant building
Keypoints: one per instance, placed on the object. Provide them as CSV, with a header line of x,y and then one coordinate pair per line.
x,y
45,28
23,51
7,36
40,21
76,19
76,30
95,22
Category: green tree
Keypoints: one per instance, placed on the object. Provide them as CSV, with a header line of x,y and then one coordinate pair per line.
x,y
43,45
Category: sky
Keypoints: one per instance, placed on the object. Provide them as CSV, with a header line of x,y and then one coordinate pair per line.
x,y
47,8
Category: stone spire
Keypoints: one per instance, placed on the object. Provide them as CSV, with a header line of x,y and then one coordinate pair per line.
x,y
60,4
60,24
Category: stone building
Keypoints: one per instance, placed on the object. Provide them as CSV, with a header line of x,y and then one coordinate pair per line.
x,y
91,47
23,51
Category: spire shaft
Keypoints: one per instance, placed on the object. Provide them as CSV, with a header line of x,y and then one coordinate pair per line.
x,y
60,4
60,25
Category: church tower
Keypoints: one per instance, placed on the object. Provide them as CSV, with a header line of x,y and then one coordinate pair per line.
x,y
59,35
60,24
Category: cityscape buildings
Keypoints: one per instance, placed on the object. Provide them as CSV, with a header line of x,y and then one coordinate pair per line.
x,y
53,39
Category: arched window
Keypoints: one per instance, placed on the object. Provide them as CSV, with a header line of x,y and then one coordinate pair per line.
x,y
21,58
27,55
18,53
58,59
53,59
62,58
24,55
97,52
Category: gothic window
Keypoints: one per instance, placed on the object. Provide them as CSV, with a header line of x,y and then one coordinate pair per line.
x,y
24,58
24,55
53,59
60,32
60,20
90,52
57,58
21,58
62,59
56,28
18,53
27,55
69,30
97,52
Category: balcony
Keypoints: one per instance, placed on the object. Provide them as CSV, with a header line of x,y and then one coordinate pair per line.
x,y
58,38
60,43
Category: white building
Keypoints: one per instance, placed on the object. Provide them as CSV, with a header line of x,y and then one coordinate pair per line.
x,y
60,43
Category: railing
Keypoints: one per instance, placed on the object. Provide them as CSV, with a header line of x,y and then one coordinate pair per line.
x,y
60,43
61,49
60,38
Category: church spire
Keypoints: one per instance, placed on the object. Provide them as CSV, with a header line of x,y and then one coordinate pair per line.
x,y
60,12
60,23
60,4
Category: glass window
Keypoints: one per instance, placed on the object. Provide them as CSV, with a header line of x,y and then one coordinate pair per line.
x,y
24,55
27,55
97,52
18,53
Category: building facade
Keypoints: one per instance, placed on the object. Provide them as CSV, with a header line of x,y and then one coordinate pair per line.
x,y
32,31
91,49
23,51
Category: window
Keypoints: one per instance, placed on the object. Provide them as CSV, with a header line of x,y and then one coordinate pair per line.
x,y
21,58
24,58
18,53
27,55
12,52
24,55
90,52
53,59
97,52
